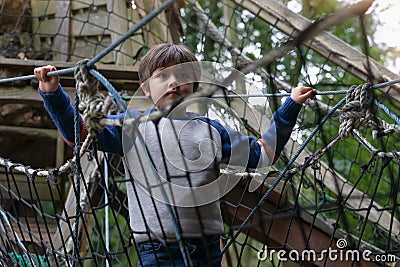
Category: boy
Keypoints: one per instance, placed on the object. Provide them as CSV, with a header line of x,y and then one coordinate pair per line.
x,y
175,149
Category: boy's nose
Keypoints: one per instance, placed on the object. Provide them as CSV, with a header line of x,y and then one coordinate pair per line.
x,y
173,82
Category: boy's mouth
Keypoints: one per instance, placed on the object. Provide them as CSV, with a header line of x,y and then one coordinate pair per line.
x,y
172,93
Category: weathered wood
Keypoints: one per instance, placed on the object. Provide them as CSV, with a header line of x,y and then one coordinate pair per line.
x,y
81,4
36,13
25,95
357,199
90,47
90,23
60,150
96,23
174,20
119,26
49,7
63,236
19,186
43,8
61,40
328,45
298,233
137,42
31,231
46,28
31,132
156,31
109,71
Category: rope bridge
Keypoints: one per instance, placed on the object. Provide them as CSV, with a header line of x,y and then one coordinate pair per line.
x,y
338,179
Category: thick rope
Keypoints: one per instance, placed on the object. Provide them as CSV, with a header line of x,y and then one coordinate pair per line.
x,y
93,105
356,112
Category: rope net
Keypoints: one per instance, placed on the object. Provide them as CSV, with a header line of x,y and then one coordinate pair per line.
x,y
335,185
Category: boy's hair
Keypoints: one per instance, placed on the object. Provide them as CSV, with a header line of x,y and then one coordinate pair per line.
x,y
163,55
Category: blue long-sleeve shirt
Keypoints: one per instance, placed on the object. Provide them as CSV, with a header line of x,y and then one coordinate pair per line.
x,y
184,153
110,138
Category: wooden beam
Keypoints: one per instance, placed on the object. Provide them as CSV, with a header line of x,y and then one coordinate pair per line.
x,y
63,236
129,73
287,228
32,230
31,132
357,200
18,186
17,94
326,44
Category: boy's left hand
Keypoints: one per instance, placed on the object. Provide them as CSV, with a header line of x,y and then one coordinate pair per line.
x,y
300,94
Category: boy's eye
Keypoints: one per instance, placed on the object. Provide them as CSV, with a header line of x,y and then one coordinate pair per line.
x,y
161,75
183,75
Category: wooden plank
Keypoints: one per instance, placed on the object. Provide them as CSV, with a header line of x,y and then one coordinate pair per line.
x,y
19,186
28,230
44,8
63,237
49,7
80,4
47,28
137,42
297,233
90,23
119,26
60,150
62,21
23,95
357,200
89,47
156,31
109,71
328,45
35,23
30,132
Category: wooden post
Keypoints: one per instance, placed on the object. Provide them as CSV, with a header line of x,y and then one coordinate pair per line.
x,y
156,31
118,26
61,40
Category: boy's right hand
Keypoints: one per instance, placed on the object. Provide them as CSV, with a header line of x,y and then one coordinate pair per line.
x,y
47,84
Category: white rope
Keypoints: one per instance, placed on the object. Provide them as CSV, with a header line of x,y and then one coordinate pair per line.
x,y
357,112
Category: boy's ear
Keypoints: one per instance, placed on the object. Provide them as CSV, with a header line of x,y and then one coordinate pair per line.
x,y
145,89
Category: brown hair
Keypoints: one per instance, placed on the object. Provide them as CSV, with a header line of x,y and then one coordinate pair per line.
x,y
163,55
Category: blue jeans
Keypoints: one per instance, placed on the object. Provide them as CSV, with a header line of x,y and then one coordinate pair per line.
x,y
154,253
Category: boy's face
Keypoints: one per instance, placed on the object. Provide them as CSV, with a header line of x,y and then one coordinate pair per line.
x,y
167,84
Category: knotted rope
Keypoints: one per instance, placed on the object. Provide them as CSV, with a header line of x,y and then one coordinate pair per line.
x,y
357,112
93,105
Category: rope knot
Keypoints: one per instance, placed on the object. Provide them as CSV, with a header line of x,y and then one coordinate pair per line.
x,y
357,111
93,105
